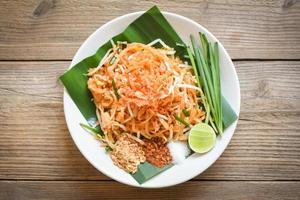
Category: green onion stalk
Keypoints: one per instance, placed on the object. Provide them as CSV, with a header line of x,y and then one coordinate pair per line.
x,y
205,63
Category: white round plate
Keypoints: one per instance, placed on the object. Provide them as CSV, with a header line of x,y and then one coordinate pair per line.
x,y
193,165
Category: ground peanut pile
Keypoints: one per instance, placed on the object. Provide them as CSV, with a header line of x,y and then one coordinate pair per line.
x,y
127,154
157,153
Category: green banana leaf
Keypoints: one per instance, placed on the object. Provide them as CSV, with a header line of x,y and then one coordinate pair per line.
x,y
146,171
149,26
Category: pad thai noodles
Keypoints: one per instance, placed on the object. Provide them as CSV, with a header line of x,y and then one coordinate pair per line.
x,y
144,94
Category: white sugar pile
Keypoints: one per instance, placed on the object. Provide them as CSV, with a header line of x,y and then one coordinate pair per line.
x,y
179,151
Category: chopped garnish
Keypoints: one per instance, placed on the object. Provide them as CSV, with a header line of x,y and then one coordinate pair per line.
x,y
90,129
115,89
108,149
181,120
186,113
127,154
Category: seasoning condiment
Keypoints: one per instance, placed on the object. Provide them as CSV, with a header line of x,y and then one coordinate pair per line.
x,y
127,154
157,153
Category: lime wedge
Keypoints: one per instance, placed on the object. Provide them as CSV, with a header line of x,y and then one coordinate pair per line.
x,y
202,138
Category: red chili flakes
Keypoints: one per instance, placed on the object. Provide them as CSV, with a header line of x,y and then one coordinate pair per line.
x,y
157,153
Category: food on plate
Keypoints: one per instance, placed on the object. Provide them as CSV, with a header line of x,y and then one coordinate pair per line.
x,y
148,94
127,154
179,151
150,97
157,153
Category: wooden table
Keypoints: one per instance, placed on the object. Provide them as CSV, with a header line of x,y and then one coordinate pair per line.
x,y
38,159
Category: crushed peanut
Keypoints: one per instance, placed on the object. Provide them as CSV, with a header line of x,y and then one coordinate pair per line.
x,y
127,154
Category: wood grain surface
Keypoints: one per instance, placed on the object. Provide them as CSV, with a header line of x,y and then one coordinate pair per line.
x,y
54,29
35,143
38,159
225,190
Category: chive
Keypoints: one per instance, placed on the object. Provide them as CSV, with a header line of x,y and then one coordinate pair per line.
x,y
216,81
207,118
98,129
199,63
208,71
90,129
99,136
205,74
213,125
214,77
217,64
181,120
209,90
108,149
115,88
112,60
186,112
208,80
191,57
205,104
205,45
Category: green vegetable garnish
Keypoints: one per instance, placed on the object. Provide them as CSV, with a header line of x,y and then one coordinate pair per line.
x,y
181,120
108,149
91,129
186,113
115,89
206,66
205,103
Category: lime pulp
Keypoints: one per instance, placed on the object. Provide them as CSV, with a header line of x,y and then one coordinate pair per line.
x,y
202,138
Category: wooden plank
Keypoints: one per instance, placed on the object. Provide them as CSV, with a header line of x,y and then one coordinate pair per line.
x,y
188,191
35,143
49,29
